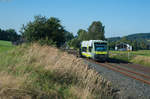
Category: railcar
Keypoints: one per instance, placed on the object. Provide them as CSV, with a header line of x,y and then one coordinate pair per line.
x,y
95,49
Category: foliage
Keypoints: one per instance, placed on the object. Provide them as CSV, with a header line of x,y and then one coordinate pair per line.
x,y
82,35
136,45
69,36
9,35
75,43
139,41
137,36
46,41
44,29
95,32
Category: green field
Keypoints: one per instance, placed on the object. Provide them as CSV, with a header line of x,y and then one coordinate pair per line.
x,y
139,57
139,52
5,46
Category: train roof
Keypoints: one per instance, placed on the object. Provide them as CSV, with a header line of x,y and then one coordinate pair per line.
x,y
98,41
90,42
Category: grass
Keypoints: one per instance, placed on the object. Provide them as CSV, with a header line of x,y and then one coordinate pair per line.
x,y
148,40
5,46
34,71
143,60
139,57
139,52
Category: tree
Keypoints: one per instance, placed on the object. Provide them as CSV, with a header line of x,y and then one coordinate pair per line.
x,y
112,45
96,31
134,45
82,35
34,31
143,45
75,43
12,35
9,35
69,36
46,29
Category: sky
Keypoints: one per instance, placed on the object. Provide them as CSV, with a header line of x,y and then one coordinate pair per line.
x,y
120,17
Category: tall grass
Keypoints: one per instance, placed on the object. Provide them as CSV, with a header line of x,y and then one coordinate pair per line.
x,y
46,72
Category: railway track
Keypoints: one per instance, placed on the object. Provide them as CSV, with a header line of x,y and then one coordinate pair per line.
x,y
121,69
132,74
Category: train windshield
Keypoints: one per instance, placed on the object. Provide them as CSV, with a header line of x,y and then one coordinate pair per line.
x,y
100,46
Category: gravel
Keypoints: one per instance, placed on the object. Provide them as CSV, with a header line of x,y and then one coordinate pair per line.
x,y
127,88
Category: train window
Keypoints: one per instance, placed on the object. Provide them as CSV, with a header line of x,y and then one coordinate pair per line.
x,y
90,49
100,46
84,49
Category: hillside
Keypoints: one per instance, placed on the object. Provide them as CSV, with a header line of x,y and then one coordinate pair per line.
x,y
137,36
44,72
143,36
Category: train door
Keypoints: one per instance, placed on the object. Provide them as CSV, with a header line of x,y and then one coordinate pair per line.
x,y
89,51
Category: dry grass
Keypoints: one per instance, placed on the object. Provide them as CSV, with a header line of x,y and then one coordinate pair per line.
x,y
10,86
81,93
55,74
10,81
66,65
144,60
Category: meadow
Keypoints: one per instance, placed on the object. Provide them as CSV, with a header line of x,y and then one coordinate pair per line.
x,y
138,57
139,52
5,46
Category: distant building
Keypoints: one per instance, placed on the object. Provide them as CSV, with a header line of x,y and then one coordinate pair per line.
x,y
123,47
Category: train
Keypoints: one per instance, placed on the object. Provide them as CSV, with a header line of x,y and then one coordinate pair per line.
x,y
95,49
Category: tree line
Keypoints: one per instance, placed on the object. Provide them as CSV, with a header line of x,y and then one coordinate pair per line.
x,y
9,35
95,32
136,44
46,31
50,31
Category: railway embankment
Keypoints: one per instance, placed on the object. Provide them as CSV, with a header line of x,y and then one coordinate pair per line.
x,y
43,72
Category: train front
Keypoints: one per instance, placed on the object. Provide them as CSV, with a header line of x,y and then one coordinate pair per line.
x,y
100,51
